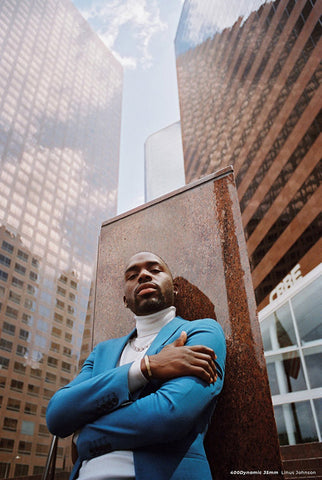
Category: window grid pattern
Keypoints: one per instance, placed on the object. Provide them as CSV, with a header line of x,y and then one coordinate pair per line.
x,y
292,337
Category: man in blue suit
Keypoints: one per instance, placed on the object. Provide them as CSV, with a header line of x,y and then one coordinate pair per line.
x,y
141,404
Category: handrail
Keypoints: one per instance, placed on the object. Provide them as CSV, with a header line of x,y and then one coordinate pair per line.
x,y
49,472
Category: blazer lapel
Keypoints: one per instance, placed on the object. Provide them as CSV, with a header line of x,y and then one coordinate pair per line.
x,y
112,355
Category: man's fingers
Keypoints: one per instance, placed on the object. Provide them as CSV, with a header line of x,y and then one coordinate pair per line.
x,y
205,375
203,349
206,363
181,340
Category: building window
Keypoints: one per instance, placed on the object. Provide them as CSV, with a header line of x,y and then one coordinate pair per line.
x,y
14,297
27,428
70,309
6,444
33,276
35,263
3,276
31,289
7,247
24,334
292,338
48,393
50,378
8,328
27,319
29,304
11,312
56,332
10,424
19,368
13,404
68,337
16,385
43,430
21,470
55,347
63,279
61,291
67,351
35,372
5,345
4,469
17,283
58,318
20,269
66,367
30,409
33,390
24,447
60,304
22,255
38,470
72,297
5,260
21,351
52,362
63,381
42,449
4,363
69,323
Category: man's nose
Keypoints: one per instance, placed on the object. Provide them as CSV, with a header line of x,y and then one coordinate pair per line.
x,y
144,275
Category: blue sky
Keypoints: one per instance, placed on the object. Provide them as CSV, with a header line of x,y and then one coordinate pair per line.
x,y
141,35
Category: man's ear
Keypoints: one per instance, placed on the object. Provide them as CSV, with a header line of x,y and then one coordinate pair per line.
x,y
125,302
175,289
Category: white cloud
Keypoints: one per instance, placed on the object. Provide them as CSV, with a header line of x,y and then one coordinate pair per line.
x,y
126,25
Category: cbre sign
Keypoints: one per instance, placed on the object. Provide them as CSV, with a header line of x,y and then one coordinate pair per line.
x,y
288,281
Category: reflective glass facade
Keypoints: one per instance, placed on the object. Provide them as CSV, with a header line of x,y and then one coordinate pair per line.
x,y
164,169
292,334
60,113
249,75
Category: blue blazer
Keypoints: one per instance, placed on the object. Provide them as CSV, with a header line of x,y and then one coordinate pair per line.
x,y
164,423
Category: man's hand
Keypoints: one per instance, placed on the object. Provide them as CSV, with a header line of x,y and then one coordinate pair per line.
x,y
178,360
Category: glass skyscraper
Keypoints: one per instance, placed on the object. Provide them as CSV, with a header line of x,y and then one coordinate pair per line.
x,y
249,75
163,160
60,114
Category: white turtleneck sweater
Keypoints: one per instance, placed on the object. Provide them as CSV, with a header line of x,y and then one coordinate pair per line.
x,y
119,465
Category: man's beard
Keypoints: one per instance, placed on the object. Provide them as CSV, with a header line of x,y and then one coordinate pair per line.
x,y
150,305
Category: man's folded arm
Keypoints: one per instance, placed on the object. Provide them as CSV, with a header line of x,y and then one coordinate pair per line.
x,y
177,408
87,398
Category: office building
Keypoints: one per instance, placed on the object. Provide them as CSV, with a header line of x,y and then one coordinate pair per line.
x,y
60,113
250,96
249,75
291,331
164,168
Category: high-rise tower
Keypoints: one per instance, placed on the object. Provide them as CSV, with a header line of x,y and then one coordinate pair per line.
x,y
60,113
249,77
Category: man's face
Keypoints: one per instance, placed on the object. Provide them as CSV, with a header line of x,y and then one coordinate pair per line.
x,y
148,284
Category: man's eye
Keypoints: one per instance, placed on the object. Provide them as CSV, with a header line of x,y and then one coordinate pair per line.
x,y
155,270
131,277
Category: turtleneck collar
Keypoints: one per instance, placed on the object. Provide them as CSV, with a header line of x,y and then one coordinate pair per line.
x,y
152,324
